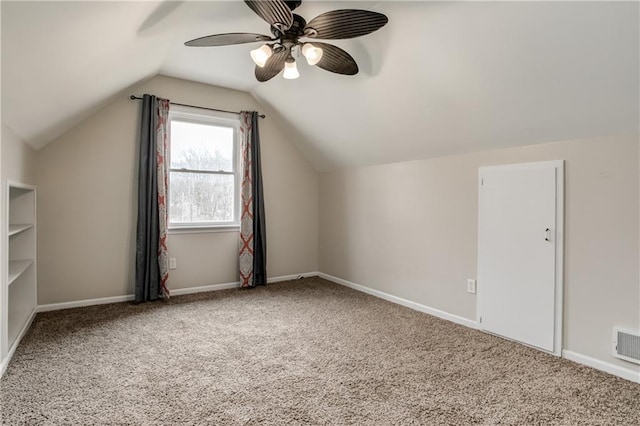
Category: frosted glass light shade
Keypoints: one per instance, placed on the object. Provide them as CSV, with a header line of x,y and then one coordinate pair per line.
x,y
261,54
312,53
290,70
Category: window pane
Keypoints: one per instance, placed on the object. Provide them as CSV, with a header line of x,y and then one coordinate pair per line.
x,y
201,146
200,197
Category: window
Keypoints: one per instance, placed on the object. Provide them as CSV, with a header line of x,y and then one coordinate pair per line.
x,y
204,178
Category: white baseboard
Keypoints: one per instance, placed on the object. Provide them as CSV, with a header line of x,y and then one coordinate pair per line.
x,y
174,292
400,301
15,344
82,303
292,277
236,284
204,288
4,364
616,370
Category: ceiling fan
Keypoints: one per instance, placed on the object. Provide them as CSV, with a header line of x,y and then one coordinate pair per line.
x,y
288,28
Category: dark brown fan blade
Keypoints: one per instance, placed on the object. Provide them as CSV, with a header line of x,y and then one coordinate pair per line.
x,y
226,39
345,23
274,65
273,11
336,60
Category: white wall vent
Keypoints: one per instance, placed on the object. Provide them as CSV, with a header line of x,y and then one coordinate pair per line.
x,y
626,345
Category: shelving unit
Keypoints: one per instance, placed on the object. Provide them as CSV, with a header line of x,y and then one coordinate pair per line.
x,y
16,268
18,299
16,229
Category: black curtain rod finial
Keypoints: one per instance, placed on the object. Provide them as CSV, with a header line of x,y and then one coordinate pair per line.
x,y
133,97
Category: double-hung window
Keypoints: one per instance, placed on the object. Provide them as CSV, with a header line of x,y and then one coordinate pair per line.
x,y
204,177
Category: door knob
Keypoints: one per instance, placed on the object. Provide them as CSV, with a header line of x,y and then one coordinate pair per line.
x,y
547,234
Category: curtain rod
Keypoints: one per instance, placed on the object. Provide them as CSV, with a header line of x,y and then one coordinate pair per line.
x,y
133,97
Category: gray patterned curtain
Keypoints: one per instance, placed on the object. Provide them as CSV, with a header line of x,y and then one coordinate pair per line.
x,y
253,234
152,262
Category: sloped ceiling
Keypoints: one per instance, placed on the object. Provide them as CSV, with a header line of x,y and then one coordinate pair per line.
x,y
440,78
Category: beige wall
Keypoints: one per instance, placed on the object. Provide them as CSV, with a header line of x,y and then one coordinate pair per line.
x,y
410,229
18,158
87,203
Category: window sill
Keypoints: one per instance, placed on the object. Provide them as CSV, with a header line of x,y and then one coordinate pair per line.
x,y
204,229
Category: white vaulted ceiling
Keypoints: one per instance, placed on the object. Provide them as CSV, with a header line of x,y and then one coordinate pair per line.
x,y
440,78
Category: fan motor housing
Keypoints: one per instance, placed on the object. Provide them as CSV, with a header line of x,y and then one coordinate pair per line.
x,y
292,34
293,4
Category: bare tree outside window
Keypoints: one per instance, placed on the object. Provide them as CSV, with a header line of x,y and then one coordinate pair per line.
x,y
202,174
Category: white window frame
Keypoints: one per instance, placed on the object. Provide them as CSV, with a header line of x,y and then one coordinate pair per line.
x,y
215,118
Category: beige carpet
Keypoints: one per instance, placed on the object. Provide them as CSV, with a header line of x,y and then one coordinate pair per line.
x,y
300,352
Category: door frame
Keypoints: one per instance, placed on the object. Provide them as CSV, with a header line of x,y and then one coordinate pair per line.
x,y
558,165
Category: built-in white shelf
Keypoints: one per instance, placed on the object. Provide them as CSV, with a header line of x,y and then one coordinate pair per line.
x,y
16,229
17,267
18,292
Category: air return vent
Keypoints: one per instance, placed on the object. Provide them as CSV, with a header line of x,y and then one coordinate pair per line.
x,y
626,345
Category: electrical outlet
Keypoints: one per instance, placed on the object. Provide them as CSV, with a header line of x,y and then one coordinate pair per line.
x,y
471,286
172,263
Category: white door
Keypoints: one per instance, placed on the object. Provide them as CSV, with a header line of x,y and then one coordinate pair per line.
x,y
519,281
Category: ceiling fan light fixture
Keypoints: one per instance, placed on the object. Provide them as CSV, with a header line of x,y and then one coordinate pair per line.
x,y
261,54
290,69
312,53
287,28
